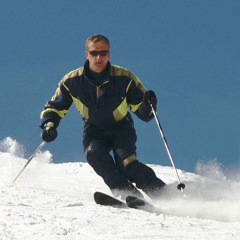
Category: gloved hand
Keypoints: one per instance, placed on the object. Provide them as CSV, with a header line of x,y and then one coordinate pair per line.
x,y
150,97
49,132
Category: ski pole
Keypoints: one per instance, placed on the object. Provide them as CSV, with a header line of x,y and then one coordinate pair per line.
x,y
180,186
29,160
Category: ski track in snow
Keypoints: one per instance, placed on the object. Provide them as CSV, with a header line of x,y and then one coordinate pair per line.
x,y
55,201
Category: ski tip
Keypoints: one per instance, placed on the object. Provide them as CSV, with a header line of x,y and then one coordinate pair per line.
x,y
130,198
135,202
107,200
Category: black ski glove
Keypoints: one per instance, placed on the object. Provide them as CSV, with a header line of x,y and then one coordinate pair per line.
x,y
49,132
150,97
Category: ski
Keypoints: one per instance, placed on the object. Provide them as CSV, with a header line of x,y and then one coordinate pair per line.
x,y
141,204
131,202
107,200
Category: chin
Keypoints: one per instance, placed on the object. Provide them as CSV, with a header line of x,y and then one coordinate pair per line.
x,y
98,69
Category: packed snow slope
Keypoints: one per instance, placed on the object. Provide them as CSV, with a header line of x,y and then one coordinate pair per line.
x,y
55,201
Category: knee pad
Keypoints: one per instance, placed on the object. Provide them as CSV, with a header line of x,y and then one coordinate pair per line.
x,y
130,160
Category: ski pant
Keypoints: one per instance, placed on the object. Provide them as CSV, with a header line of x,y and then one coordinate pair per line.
x,y
122,169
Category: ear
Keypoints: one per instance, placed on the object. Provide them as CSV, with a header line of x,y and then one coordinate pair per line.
x,y
86,54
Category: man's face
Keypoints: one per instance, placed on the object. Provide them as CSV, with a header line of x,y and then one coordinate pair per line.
x,y
97,63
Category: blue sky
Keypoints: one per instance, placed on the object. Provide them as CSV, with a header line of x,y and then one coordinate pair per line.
x,y
186,51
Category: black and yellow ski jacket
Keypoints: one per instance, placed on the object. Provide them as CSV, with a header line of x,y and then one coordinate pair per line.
x,y
101,106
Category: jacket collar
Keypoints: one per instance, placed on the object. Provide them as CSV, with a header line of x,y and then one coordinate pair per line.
x,y
88,75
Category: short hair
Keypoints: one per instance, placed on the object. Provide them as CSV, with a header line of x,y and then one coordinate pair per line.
x,y
97,38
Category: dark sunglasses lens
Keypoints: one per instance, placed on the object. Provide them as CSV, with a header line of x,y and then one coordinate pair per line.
x,y
96,53
104,53
93,53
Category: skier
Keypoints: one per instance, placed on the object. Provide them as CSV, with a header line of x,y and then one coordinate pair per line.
x,y
103,93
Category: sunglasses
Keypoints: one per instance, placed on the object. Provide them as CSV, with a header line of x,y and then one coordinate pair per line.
x,y
101,53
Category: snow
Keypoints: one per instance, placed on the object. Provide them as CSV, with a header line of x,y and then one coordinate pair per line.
x,y
55,201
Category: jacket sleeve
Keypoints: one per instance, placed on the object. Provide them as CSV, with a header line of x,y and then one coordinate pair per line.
x,y
57,107
135,99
